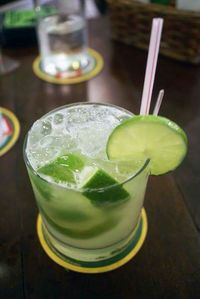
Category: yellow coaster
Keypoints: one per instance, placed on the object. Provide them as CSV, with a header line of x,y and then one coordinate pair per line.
x,y
98,65
9,130
142,232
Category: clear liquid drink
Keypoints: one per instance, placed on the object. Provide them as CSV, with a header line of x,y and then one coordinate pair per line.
x,y
63,40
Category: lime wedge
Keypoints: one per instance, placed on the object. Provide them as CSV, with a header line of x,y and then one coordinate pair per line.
x,y
82,232
102,189
97,185
149,137
62,169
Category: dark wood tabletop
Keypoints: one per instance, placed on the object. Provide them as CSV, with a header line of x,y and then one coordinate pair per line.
x,y
168,265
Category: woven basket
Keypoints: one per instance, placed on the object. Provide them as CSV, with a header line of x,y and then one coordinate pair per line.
x,y
131,23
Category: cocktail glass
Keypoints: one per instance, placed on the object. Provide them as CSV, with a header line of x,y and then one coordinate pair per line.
x,y
88,226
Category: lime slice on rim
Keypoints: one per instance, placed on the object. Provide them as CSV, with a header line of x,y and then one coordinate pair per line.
x,y
149,137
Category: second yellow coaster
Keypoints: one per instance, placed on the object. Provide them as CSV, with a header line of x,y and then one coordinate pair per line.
x,y
96,59
9,130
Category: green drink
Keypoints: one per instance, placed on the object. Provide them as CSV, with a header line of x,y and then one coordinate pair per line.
x,y
89,165
90,206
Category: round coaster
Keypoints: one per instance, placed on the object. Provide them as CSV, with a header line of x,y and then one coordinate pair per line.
x,y
98,65
109,264
9,130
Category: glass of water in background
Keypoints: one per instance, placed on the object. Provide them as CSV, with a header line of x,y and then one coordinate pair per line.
x,y
63,39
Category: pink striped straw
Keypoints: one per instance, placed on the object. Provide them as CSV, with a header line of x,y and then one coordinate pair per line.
x,y
152,59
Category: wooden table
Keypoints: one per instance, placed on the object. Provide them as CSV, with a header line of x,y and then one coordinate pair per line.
x,y
168,265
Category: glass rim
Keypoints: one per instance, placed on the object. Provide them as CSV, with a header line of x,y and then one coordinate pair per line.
x,y
28,164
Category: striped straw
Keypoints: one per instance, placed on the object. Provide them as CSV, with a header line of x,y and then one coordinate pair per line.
x,y
152,59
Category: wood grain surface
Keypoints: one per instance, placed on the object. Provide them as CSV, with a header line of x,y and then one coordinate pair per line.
x,y
168,265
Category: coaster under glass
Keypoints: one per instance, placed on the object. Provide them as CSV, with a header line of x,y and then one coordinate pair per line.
x,y
135,243
94,66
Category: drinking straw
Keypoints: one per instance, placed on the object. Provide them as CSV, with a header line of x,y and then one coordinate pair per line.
x,y
152,58
158,102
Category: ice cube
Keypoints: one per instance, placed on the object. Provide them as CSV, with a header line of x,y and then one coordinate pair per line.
x,y
46,128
